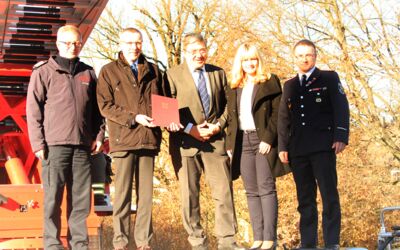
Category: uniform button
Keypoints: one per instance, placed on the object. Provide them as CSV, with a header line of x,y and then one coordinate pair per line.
x,y
302,115
301,97
303,123
302,106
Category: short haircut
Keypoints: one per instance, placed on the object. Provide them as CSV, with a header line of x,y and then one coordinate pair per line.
x,y
69,28
305,42
130,30
192,38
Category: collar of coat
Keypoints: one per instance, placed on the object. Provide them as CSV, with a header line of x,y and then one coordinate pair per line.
x,y
143,65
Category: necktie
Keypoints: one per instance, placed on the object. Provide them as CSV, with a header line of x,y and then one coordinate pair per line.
x,y
134,70
202,89
303,80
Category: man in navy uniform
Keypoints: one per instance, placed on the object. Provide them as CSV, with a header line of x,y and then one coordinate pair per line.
x,y
313,126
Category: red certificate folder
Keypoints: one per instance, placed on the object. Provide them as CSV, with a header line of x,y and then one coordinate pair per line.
x,y
164,110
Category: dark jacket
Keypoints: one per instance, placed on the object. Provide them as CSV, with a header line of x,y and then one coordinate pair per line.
x,y
61,107
313,117
265,104
121,97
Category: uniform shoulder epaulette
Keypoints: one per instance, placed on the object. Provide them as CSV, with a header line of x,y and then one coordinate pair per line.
x,y
39,64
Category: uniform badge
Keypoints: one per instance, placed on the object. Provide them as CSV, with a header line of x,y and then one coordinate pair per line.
x,y
341,89
318,100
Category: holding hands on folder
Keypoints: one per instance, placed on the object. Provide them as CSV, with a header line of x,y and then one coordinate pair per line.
x,y
145,120
201,132
148,122
173,127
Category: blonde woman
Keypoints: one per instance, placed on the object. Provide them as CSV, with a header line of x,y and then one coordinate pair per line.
x,y
253,101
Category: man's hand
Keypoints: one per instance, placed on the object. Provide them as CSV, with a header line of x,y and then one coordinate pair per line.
x,y
40,154
264,148
200,132
97,147
229,152
284,156
338,146
173,127
213,128
145,120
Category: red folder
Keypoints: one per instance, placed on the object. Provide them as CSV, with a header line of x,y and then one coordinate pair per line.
x,y
164,110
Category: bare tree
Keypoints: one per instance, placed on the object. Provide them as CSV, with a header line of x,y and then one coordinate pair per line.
x,y
360,40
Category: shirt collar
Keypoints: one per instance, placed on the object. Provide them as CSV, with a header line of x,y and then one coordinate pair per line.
x,y
307,73
195,70
135,62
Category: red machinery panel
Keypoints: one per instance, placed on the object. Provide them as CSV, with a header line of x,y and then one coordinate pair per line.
x,y
27,35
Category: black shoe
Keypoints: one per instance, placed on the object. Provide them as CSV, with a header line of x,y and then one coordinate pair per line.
x,y
333,247
305,246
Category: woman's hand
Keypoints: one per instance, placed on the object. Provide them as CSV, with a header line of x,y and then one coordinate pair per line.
x,y
264,148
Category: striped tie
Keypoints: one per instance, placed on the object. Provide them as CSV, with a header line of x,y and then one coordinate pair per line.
x,y
201,87
134,70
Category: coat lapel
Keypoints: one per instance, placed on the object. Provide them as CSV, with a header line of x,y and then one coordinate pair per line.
x,y
143,68
190,85
254,94
264,89
314,76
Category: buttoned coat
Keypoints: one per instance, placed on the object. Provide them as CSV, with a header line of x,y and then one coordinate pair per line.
x,y
182,87
265,104
314,116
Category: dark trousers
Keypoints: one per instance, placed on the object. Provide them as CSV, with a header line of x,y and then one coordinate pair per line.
x,y
66,166
217,174
260,188
140,164
317,169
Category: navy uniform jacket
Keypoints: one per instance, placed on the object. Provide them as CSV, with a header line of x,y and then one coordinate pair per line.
x,y
312,117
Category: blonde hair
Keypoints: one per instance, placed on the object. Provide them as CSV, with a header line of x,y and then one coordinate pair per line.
x,y
247,51
69,28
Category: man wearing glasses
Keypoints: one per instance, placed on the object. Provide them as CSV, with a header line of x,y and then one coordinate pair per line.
x,y
313,126
64,123
200,145
124,97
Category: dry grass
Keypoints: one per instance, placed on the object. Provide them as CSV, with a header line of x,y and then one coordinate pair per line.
x,y
365,187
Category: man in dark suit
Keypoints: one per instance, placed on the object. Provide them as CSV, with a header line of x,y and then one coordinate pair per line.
x,y
200,146
313,126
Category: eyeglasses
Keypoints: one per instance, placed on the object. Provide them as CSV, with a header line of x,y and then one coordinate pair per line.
x,y
308,56
69,44
132,43
195,51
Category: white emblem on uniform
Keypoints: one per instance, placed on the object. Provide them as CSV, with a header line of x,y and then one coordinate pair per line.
x,y
341,89
318,100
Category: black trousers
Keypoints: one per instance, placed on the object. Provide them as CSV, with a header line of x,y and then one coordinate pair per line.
x,y
66,166
317,169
